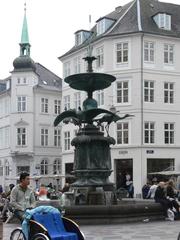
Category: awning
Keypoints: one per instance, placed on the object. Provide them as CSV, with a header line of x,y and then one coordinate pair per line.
x,y
166,173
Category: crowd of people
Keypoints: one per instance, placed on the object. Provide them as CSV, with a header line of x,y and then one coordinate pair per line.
x,y
22,197
166,194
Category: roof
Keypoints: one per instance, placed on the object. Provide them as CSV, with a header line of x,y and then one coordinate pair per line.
x,y
2,86
134,17
24,35
47,79
149,8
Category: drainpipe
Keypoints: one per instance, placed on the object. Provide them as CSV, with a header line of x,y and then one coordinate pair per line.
x,y
142,105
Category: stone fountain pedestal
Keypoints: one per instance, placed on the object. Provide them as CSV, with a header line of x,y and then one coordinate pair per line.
x,y
92,166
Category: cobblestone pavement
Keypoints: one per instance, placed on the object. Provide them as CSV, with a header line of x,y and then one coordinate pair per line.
x,y
143,230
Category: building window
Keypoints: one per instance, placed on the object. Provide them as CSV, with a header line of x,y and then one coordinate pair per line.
x,y
21,104
6,106
57,107
77,65
57,167
122,92
99,57
21,169
122,52
1,170
77,100
24,80
101,27
44,105
67,102
67,140
163,20
18,80
67,69
44,167
168,54
160,164
57,137
100,97
168,92
78,38
1,138
6,136
149,52
44,137
122,133
21,136
7,168
148,91
149,132
169,133
75,132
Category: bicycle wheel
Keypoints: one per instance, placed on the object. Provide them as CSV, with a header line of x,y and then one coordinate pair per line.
x,y
40,236
17,234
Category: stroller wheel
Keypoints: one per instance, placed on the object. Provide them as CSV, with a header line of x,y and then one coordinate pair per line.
x,y
17,234
40,236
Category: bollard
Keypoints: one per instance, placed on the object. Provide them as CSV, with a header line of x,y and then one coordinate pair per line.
x,y
1,229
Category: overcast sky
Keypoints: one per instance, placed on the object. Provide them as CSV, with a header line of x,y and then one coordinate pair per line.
x,y
51,25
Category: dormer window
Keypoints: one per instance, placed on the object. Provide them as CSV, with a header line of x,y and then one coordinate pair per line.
x,y
78,38
81,36
163,20
103,25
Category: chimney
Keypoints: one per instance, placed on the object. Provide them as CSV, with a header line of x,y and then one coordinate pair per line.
x,y
118,9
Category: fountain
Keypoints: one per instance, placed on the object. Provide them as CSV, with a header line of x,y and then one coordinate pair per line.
x,y
92,157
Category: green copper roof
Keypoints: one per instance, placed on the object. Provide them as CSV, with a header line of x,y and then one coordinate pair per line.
x,y
24,35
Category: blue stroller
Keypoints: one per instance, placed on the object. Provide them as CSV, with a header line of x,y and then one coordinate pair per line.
x,y
46,223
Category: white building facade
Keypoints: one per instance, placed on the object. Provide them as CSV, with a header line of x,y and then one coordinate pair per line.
x,y
138,44
30,100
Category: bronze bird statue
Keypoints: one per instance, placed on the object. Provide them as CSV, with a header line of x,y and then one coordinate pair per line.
x,y
109,118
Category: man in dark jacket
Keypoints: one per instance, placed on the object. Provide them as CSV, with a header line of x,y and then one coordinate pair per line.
x,y
171,193
160,197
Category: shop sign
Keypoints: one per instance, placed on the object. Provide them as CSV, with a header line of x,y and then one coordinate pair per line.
x,y
123,152
149,151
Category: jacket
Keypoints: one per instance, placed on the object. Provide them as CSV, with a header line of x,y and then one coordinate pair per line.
x,y
21,199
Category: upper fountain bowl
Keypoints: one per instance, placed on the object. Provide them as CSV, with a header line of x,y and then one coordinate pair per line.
x,y
89,81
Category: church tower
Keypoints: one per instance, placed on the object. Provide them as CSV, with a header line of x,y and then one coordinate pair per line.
x,y
24,61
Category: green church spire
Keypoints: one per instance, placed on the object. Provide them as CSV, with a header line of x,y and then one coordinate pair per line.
x,y
24,45
24,35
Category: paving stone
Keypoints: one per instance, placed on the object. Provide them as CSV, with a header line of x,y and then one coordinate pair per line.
x,y
161,230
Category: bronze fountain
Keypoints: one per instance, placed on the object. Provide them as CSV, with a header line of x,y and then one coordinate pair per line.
x,y
92,157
